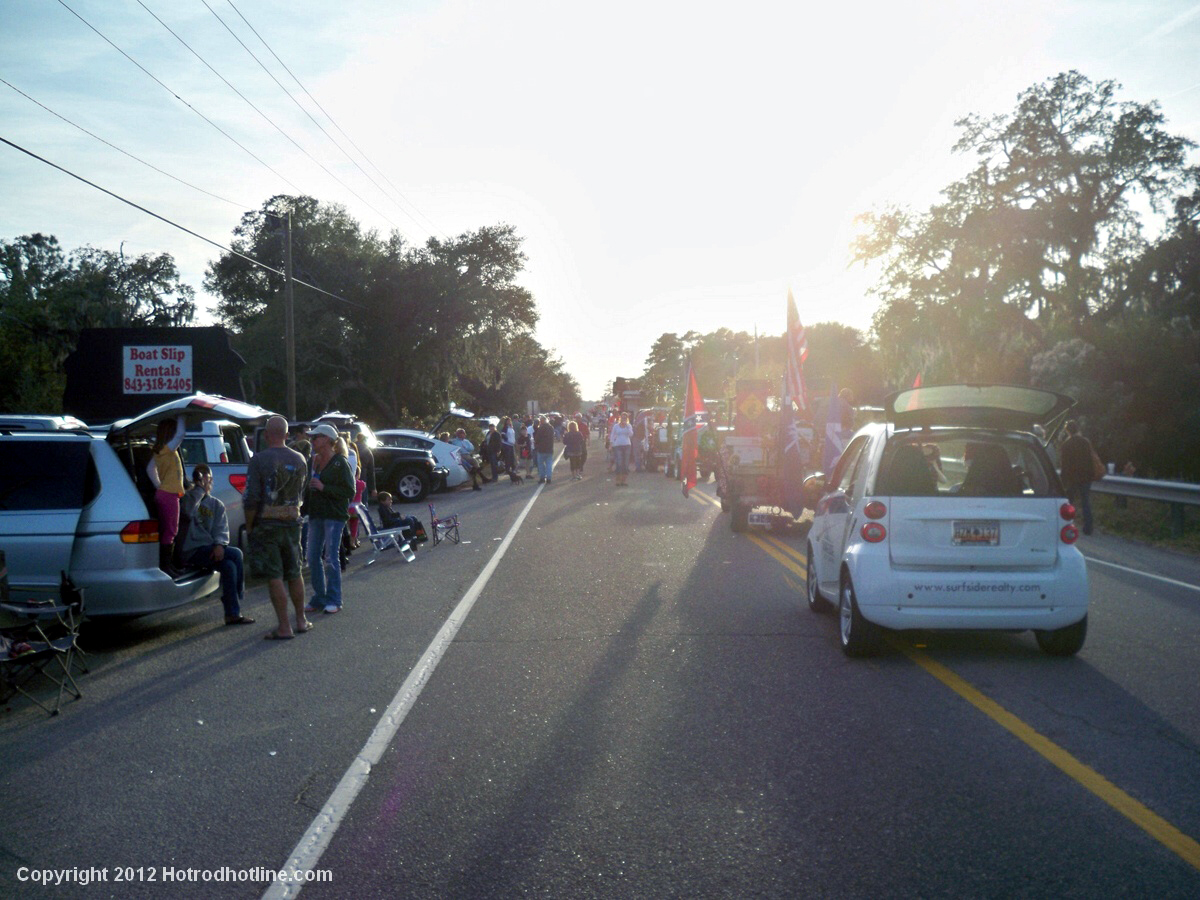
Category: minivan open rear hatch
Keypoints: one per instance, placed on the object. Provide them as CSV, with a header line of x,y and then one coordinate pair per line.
x,y
196,408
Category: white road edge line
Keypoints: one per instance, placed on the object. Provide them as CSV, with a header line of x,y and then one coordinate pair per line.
x,y
307,853
1182,584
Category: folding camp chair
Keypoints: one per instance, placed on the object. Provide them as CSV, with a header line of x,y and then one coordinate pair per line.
x,y
45,645
383,538
445,528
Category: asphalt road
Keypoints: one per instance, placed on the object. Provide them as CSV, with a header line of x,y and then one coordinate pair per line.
x,y
637,704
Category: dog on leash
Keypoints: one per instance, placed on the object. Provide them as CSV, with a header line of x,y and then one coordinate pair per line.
x,y
516,478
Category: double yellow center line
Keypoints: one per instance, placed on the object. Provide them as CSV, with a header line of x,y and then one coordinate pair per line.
x,y
1138,813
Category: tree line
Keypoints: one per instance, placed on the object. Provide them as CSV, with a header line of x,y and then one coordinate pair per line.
x,y
1068,258
412,328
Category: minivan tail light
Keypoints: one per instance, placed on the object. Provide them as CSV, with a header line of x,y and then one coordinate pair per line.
x,y
1069,534
238,482
1067,511
143,531
873,532
875,510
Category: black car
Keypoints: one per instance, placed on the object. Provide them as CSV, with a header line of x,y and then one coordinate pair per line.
x,y
407,474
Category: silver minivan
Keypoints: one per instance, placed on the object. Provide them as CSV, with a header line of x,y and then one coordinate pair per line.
x,y
80,503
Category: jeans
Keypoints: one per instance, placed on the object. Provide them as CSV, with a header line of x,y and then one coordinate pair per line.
x,y
1083,491
232,572
621,456
324,538
545,465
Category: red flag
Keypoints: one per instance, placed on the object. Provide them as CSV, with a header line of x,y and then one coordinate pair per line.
x,y
912,401
693,405
797,350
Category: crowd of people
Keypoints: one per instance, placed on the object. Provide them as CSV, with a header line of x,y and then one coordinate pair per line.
x,y
303,493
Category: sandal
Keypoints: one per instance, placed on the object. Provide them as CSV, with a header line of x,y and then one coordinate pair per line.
x,y
308,626
276,636
240,620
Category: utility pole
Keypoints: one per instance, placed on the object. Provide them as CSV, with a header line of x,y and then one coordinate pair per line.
x,y
289,317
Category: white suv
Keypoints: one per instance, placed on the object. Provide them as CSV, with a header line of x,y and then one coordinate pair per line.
x,y
949,516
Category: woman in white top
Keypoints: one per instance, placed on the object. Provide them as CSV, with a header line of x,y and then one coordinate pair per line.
x,y
620,438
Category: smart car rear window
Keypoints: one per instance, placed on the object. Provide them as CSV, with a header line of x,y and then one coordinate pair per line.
x,y
963,462
46,475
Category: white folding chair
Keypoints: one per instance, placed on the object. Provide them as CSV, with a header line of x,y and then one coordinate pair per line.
x,y
383,538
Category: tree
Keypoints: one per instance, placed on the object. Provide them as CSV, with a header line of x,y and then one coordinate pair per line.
x,y
1036,240
47,298
414,328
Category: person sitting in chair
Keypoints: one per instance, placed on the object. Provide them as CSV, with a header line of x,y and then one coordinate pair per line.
x,y
389,519
206,544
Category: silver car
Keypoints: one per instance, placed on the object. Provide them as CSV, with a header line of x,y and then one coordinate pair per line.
x,y
80,504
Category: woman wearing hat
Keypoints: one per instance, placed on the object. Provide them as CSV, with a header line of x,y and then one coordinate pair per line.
x,y
330,490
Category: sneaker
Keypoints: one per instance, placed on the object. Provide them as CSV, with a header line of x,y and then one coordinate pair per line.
x,y
331,609
313,608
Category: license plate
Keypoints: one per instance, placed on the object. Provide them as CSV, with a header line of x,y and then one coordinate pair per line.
x,y
759,518
975,534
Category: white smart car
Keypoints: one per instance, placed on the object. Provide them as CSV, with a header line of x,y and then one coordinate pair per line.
x,y
949,515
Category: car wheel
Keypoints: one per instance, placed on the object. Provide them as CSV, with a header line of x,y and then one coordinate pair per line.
x,y
740,521
859,637
817,602
411,487
1063,641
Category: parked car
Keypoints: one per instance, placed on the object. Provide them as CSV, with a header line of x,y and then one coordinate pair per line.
x,y
408,473
348,422
949,515
446,455
13,423
76,509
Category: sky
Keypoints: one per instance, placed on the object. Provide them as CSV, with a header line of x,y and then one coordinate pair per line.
x,y
670,166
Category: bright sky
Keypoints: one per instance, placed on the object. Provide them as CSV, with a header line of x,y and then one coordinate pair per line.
x,y
671,165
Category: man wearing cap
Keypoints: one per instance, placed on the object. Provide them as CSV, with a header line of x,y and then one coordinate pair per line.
x,y
330,490
274,485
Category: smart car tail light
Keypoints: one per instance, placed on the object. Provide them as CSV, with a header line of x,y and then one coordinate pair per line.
x,y
875,510
1067,511
238,482
873,532
143,531
1069,534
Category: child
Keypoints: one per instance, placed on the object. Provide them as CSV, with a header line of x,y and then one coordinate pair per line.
x,y
165,470
390,519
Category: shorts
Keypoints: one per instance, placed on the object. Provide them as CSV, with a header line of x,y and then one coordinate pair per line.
x,y
275,552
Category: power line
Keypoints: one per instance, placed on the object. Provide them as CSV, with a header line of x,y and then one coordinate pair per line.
x,y
268,119
332,121
173,224
176,96
125,152
300,107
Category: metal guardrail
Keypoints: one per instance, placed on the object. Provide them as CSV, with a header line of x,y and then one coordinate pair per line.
x,y
1174,493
